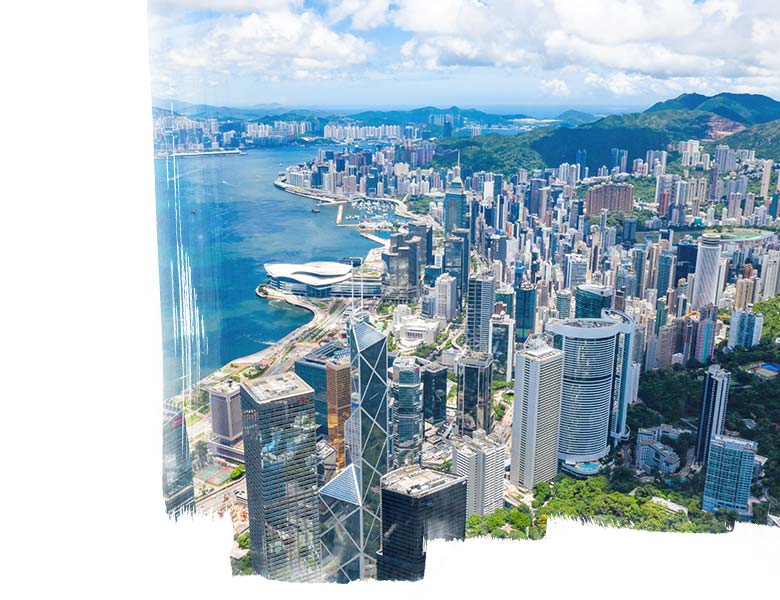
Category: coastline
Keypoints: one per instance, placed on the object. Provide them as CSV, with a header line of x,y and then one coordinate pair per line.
x,y
283,348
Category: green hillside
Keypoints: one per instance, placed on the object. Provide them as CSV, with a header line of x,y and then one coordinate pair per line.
x,y
494,152
765,138
742,108
636,132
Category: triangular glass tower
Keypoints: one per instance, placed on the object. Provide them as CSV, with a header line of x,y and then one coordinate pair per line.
x,y
340,527
366,432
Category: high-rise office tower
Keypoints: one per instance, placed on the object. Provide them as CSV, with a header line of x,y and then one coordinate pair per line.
x,y
178,491
340,527
563,303
281,477
311,368
501,345
525,312
575,270
596,388
480,459
434,378
339,404
482,297
407,412
505,294
713,409
455,206
536,416
705,289
366,431
475,392
446,297
456,263
729,475
418,505
225,411
591,299
746,327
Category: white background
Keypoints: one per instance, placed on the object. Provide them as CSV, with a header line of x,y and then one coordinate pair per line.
x,y
81,359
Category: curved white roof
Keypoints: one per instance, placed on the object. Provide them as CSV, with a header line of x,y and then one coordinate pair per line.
x,y
311,273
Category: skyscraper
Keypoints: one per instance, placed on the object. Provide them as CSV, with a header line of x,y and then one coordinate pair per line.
x,y
563,303
591,299
480,458
178,490
281,477
705,289
536,417
525,314
407,412
340,523
456,263
455,205
482,296
713,409
339,405
311,368
446,297
501,345
418,505
475,392
434,377
366,431
593,394
729,474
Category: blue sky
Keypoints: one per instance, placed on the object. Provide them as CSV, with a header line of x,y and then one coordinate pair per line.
x,y
484,53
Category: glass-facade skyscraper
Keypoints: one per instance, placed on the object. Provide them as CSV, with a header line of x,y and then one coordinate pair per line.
x,y
418,505
407,412
525,313
713,409
475,392
590,299
366,431
434,378
482,297
281,477
340,527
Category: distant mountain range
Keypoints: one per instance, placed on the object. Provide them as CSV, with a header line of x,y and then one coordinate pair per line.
x,y
740,120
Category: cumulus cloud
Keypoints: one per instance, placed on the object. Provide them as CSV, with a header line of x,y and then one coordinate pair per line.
x,y
627,47
272,45
555,87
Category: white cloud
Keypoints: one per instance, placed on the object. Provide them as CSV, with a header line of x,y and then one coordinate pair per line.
x,y
363,14
273,45
627,47
555,87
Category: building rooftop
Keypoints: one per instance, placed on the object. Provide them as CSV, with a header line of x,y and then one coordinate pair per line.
x,y
416,481
310,273
226,387
277,387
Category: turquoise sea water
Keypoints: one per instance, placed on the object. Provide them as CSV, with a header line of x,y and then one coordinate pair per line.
x,y
228,220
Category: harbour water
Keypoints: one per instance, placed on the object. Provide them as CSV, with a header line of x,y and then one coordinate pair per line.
x,y
215,230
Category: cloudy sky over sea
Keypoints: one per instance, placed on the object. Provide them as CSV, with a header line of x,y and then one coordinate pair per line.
x,y
467,52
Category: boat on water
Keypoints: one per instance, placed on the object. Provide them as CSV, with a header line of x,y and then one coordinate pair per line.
x,y
315,208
